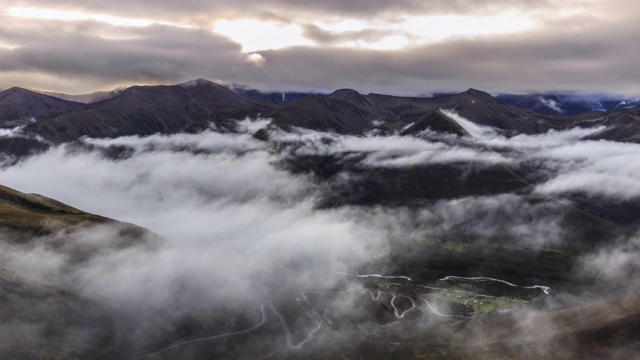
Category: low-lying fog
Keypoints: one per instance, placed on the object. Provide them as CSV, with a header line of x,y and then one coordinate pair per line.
x,y
240,228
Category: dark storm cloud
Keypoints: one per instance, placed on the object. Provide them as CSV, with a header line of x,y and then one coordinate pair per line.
x,y
568,60
151,54
579,45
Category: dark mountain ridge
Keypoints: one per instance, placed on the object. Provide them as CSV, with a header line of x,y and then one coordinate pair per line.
x,y
323,113
17,104
196,105
620,125
559,104
146,110
87,98
273,97
437,121
483,109
346,111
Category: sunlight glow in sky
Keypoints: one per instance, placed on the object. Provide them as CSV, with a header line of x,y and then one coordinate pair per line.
x,y
256,35
436,28
256,59
392,42
4,45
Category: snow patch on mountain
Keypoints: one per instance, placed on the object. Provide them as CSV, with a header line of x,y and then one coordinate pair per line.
x,y
627,104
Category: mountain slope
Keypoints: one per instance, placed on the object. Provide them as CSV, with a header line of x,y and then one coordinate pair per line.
x,y
41,320
26,217
19,104
620,125
594,331
435,120
146,110
543,104
195,105
567,104
346,111
274,97
481,108
35,214
87,98
324,113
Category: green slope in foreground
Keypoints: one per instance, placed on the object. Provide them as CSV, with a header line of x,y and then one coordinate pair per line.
x,y
24,217
37,214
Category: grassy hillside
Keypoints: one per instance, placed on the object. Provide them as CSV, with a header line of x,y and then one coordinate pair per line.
x,y
26,215
30,218
42,320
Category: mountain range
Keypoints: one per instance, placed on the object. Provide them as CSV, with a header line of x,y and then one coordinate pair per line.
x,y
196,105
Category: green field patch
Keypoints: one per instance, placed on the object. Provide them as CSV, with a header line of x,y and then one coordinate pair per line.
x,y
477,303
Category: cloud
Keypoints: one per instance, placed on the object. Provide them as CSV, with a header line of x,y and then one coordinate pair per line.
x,y
554,54
561,161
551,104
476,220
380,151
155,54
241,231
236,226
366,36
11,129
211,171
596,167
617,266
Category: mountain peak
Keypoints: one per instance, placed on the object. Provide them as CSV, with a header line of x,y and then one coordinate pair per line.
x,y
476,93
475,96
344,94
435,120
19,104
15,88
15,91
197,82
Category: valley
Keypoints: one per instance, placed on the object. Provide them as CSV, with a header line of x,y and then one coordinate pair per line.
x,y
329,226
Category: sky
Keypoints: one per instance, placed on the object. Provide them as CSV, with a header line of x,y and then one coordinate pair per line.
x,y
404,47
